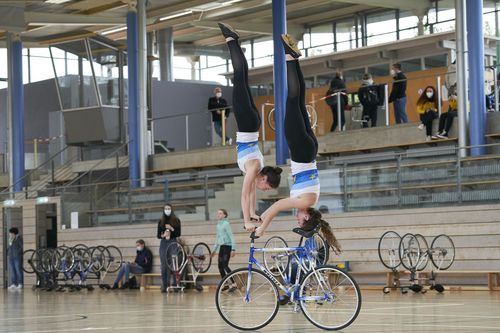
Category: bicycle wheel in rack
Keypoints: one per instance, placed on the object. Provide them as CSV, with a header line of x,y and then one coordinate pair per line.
x,y
424,252
442,252
65,259
202,258
36,261
409,251
329,298
98,256
313,116
83,257
113,259
247,302
48,260
388,249
276,262
175,256
27,267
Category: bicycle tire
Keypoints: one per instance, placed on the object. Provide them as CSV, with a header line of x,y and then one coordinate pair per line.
x,y
36,260
409,251
27,267
65,259
424,252
318,249
83,258
114,260
273,261
449,252
239,304
98,258
388,249
311,112
330,288
202,257
175,256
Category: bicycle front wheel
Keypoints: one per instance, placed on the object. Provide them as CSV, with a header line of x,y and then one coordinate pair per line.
x,y
114,259
270,120
276,262
409,251
202,258
442,252
247,301
388,249
175,256
329,298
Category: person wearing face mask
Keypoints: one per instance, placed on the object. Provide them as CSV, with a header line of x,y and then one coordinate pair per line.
x,y
368,95
143,263
15,259
169,228
427,106
216,105
337,85
398,94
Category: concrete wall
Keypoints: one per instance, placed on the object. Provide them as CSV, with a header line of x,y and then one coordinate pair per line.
x,y
180,98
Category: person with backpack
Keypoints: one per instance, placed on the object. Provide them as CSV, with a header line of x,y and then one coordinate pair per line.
x,y
368,95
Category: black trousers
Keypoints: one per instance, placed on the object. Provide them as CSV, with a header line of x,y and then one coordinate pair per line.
x,y
245,112
427,118
335,116
224,256
298,132
370,114
446,120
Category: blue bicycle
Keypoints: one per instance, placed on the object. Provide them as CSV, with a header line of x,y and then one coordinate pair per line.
x,y
248,298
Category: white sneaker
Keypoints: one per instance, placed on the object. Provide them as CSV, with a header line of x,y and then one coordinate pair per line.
x,y
19,287
421,126
12,287
230,141
428,138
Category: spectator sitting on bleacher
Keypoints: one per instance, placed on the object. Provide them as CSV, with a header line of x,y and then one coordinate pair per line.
x,y
143,263
427,106
446,119
369,97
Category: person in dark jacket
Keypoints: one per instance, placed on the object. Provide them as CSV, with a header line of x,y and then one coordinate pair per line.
x,y
398,94
368,95
169,228
216,105
15,259
338,85
143,263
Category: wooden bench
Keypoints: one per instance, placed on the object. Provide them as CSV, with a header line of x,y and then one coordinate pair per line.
x,y
147,278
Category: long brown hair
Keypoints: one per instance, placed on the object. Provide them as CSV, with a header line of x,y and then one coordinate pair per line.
x,y
424,99
315,220
172,219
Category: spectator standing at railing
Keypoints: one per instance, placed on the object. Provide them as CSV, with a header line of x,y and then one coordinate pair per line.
x,y
446,119
216,105
337,85
15,259
224,243
398,94
368,95
427,106
169,228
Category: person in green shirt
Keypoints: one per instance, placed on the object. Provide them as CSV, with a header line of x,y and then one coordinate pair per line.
x,y
224,243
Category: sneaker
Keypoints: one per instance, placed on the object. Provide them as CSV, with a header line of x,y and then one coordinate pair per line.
x,y
163,290
12,287
19,287
443,135
421,126
230,141
226,287
290,46
435,137
125,286
428,138
228,31
115,286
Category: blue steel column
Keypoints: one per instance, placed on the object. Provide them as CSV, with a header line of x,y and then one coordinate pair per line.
x,y
17,101
280,83
133,97
475,40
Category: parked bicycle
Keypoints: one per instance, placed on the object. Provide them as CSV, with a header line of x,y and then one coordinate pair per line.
x,y
248,298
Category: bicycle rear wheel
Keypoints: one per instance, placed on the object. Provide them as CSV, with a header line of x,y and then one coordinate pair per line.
x,y
175,256
113,259
313,116
83,258
247,302
329,298
276,262
409,251
65,259
202,258
388,248
442,252
98,256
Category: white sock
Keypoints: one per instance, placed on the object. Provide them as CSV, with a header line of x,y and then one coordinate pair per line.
x,y
228,39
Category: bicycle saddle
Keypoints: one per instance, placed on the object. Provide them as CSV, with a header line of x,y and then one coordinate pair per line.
x,y
303,233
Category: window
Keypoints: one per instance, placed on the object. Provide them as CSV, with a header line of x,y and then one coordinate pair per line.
x,y
322,35
379,70
411,65
436,61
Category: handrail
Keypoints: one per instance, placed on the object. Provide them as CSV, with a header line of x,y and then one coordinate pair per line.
x,y
190,113
34,170
95,165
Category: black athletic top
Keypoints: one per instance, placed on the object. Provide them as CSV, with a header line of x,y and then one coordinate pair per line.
x,y
176,233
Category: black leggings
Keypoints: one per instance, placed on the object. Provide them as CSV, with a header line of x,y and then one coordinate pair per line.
x,y
427,118
446,120
245,112
299,135
224,256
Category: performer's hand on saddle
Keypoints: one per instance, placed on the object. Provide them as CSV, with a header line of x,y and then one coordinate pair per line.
x,y
259,232
256,219
249,227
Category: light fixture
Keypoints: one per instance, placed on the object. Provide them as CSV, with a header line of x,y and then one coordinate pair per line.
x,y
57,2
112,31
169,17
42,200
9,203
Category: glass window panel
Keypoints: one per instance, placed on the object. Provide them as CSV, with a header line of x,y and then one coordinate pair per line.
x,y
344,46
104,59
353,75
215,61
320,50
436,61
263,48
378,39
263,61
247,50
445,26
213,74
408,33
345,30
407,20
26,78
379,70
3,63
40,52
307,40
489,24
411,65
381,22
322,35
41,69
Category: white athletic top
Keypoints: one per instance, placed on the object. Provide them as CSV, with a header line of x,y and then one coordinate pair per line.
x,y
305,179
247,144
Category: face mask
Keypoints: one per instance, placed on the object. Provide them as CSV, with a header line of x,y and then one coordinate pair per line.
x,y
139,248
370,81
218,95
393,72
429,94
167,212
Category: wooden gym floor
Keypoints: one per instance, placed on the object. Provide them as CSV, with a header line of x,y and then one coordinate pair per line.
x,y
150,311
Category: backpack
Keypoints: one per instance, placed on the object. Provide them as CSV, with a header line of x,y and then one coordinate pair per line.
x,y
371,95
331,100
